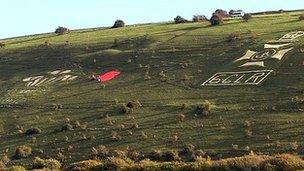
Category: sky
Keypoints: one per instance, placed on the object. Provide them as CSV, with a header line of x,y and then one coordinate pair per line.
x,y
25,17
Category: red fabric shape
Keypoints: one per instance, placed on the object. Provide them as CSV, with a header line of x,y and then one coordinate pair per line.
x,y
108,76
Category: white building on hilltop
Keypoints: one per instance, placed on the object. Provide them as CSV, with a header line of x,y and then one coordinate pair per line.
x,y
236,13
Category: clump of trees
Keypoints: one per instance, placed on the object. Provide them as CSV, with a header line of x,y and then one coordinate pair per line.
x,y
216,20
178,19
221,12
199,18
119,23
218,17
62,30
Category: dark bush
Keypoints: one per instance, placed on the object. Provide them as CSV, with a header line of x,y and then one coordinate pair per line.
x,y
67,127
247,17
155,155
134,155
164,156
118,23
199,18
170,155
216,20
124,109
61,30
2,44
33,131
203,109
22,152
188,149
221,13
134,104
131,105
178,19
301,18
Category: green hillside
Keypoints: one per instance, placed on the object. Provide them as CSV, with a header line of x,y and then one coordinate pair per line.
x,y
162,66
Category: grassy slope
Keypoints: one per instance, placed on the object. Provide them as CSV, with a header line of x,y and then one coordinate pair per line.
x,y
162,47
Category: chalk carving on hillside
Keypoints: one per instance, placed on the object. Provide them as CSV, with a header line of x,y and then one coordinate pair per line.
x,y
53,77
253,58
238,78
273,50
291,37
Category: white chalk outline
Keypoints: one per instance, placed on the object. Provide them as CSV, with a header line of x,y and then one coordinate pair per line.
x,y
238,72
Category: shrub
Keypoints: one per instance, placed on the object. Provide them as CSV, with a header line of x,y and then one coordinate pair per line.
x,y
124,109
131,105
67,127
285,162
188,149
248,162
39,163
33,131
164,156
118,23
247,17
134,104
199,164
134,155
240,163
83,165
61,30
114,163
5,160
2,44
199,18
204,109
170,155
234,36
16,168
178,19
22,152
216,20
147,164
301,18
119,153
100,152
155,155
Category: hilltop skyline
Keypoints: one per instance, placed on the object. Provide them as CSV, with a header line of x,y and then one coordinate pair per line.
x,y
33,16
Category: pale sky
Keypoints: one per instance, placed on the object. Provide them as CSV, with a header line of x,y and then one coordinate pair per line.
x,y
24,17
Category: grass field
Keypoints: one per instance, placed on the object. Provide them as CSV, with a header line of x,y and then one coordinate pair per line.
x,y
186,55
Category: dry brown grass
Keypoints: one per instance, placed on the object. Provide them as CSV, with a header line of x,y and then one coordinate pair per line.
x,y
171,161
